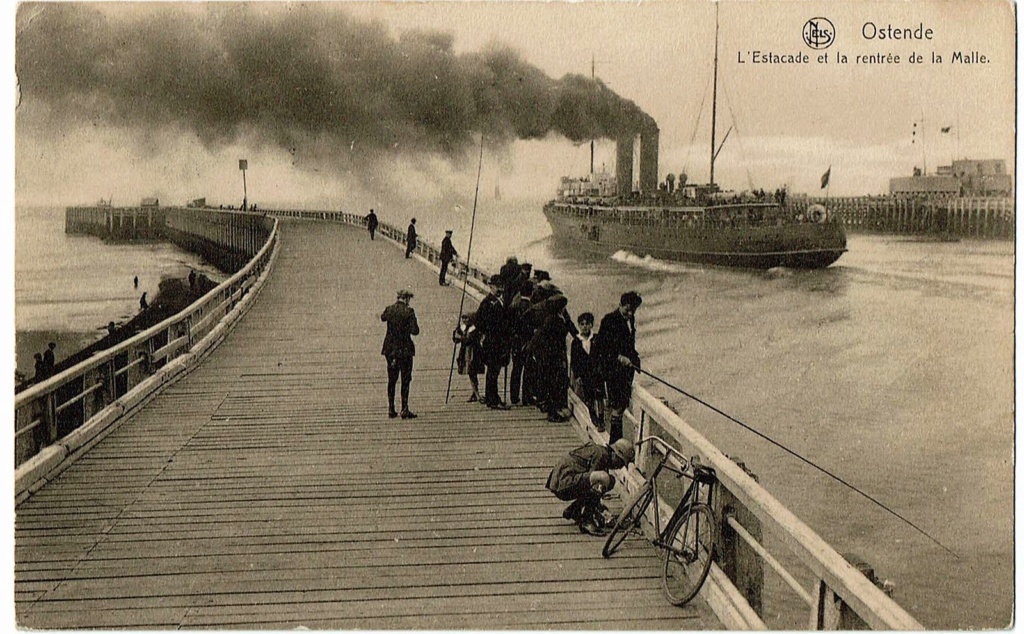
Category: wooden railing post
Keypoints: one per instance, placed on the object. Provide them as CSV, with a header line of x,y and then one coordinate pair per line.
x,y
49,414
736,557
832,613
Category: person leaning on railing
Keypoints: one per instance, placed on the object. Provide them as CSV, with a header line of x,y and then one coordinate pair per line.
x,y
614,351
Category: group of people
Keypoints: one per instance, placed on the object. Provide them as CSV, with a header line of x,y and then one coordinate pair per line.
x,y
45,362
521,329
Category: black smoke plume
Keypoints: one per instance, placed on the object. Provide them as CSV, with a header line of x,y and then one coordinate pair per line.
x,y
308,78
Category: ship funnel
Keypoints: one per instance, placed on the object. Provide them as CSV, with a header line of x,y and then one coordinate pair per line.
x,y
636,162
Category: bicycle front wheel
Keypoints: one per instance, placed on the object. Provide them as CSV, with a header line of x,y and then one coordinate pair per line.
x,y
688,549
628,521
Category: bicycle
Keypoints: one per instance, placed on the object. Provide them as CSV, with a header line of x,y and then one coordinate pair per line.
x,y
688,539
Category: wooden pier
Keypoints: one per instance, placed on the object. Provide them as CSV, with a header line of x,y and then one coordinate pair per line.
x,y
268,488
978,218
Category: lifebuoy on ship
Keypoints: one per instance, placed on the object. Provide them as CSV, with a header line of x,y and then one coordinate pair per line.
x,y
817,213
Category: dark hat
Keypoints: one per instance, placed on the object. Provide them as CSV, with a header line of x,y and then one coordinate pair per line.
x,y
448,231
631,299
404,293
540,275
496,280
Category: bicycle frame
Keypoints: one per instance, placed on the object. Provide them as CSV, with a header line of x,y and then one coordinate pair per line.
x,y
690,496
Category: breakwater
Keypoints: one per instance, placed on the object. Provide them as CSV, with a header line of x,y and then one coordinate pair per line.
x,y
66,411
983,218
226,240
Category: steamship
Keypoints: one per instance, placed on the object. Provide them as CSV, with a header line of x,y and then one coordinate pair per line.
x,y
692,223
689,223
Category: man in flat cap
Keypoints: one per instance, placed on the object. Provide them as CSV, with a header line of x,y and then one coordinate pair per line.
x,y
448,253
493,323
398,349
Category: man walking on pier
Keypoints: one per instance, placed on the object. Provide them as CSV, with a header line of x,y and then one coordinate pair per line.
x,y
448,253
371,223
614,352
410,238
398,349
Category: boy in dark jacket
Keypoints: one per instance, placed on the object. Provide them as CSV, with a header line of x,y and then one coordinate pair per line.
x,y
586,380
582,476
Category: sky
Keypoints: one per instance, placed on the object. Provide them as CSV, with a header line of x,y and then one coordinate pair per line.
x,y
82,133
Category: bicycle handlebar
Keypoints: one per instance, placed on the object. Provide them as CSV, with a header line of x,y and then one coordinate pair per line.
x,y
669,449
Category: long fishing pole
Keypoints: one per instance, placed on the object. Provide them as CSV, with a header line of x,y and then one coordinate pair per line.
x,y
469,254
796,455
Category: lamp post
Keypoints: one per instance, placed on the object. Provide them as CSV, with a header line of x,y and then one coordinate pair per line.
x,y
243,165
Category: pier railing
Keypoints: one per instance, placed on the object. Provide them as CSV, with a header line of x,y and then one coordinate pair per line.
x,y
67,411
839,590
841,595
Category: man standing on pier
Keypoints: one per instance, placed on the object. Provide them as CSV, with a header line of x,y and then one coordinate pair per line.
x,y
492,321
614,351
371,223
410,238
448,253
398,349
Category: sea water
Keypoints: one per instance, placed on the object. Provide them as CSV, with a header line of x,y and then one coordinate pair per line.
x,y
71,286
893,369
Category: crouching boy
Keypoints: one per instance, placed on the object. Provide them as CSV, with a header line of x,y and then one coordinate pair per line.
x,y
582,477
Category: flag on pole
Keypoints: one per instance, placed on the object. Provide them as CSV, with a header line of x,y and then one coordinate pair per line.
x,y
243,164
825,177
947,129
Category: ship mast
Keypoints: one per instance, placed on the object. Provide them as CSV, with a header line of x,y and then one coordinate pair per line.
x,y
714,100
593,77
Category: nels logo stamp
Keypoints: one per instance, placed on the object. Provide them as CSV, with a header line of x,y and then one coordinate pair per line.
x,y
819,33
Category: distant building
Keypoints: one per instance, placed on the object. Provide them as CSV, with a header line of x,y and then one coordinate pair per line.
x,y
963,178
197,203
983,178
150,202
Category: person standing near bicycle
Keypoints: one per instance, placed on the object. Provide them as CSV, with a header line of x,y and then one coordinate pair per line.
x,y
614,352
582,477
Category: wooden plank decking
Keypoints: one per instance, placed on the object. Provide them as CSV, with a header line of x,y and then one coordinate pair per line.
x,y
268,489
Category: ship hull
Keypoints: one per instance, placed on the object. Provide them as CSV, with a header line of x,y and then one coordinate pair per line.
x,y
805,245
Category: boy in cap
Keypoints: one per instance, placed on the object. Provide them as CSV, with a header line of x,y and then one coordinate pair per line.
x,y
398,349
582,476
587,381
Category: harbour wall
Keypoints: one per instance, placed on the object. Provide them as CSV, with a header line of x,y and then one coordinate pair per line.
x,y
226,240
982,218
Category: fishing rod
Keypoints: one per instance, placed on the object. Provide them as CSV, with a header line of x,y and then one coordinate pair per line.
x,y
796,455
469,254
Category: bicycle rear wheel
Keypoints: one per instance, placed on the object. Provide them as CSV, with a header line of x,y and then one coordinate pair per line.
x,y
628,521
688,549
